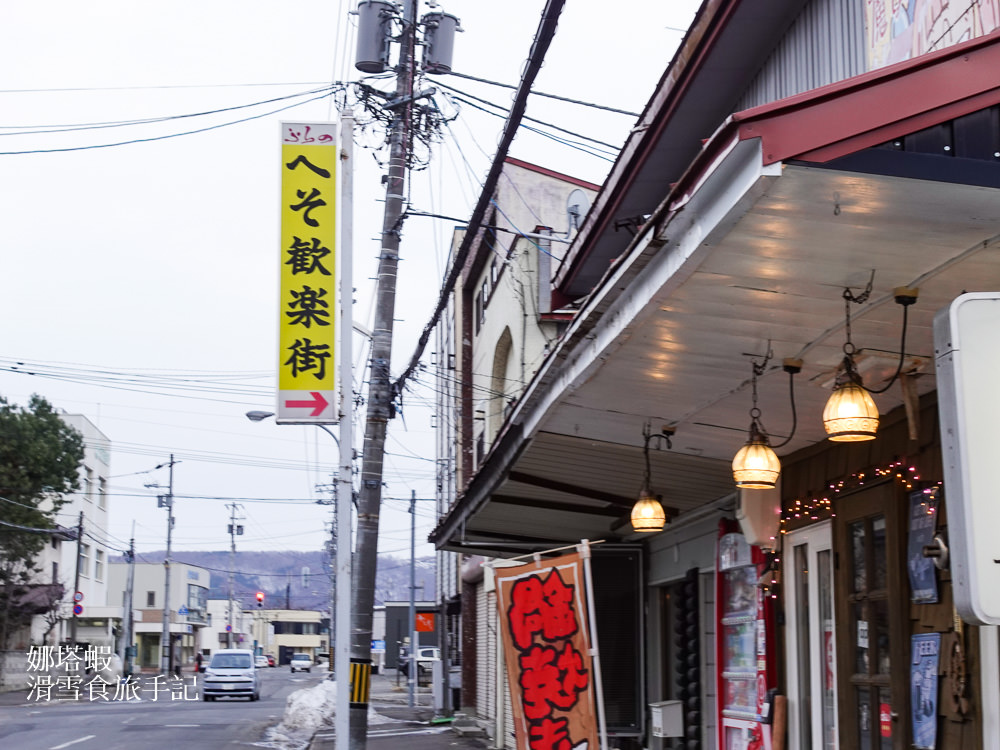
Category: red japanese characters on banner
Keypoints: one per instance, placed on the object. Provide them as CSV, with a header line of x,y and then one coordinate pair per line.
x,y
547,650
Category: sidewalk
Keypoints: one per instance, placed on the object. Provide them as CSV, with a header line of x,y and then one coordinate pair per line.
x,y
391,701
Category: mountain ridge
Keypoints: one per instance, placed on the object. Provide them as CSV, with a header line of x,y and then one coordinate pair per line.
x,y
298,579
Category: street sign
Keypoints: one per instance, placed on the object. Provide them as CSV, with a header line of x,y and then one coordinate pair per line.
x,y
77,609
308,293
78,596
183,611
425,622
229,628
378,645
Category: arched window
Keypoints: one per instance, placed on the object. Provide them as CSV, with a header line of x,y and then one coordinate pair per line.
x,y
499,391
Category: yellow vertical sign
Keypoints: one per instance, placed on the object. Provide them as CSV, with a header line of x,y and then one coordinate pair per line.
x,y
308,298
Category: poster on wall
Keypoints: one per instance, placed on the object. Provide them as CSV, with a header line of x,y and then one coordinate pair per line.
x,y
924,506
899,30
925,649
546,645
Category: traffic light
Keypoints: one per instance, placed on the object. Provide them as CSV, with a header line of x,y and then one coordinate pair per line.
x,y
260,598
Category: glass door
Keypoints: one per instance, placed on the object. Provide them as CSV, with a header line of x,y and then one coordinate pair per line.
x,y
811,643
872,662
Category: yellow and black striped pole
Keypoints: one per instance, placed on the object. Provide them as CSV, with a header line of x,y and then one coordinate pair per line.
x,y
361,682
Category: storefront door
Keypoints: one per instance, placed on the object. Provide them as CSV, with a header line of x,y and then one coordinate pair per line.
x,y
873,638
811,639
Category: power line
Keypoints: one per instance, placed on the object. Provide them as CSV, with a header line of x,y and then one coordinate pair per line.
x,y
151,139
75,127
548,96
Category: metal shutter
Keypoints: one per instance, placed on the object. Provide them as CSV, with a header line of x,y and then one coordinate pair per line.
x,y
708,682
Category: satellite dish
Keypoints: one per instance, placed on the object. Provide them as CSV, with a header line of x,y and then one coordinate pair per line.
x,y
577,206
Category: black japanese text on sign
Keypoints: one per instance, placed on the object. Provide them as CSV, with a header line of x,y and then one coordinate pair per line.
x,y
308,296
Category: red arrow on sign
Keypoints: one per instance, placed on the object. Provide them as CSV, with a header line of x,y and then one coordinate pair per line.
x,y
318,404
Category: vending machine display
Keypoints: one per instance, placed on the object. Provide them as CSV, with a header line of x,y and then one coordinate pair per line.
x,y
745,658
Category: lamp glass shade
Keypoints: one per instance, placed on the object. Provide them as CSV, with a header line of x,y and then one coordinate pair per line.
x,y
647,513
850,414
756,466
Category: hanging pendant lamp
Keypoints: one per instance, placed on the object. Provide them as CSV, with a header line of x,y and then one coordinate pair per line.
x,y
756,465
648,514
850,414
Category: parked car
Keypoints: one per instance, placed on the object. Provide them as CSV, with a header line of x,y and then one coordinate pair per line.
x,y
232,671
270,660
426,656
301,662
261,661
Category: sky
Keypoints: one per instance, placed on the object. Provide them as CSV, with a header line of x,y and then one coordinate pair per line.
x,y
139,179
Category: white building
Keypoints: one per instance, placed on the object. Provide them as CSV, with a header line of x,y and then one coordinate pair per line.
x,y
80,566
216,633
498,328
187,609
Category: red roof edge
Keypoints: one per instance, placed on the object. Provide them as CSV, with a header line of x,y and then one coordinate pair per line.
x,y
874,107
551,173
866,110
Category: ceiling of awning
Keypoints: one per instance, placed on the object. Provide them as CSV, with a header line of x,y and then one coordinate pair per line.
x,y
747,257
775,278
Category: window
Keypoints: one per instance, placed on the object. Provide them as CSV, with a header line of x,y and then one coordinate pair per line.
x,y
88,485
197,597
150,598
55,572
479,312
99,565
102,493
85,560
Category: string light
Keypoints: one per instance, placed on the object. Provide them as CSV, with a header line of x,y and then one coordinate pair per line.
x,y
821,506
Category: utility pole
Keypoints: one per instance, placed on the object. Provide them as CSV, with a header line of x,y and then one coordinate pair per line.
x,y
332,550
413,678
380,392
125,651
233,531
414,637
76,579
165,645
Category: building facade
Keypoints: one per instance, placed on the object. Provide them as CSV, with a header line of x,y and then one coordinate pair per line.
x,y
229,626
283,632
78,562
498,327
187,610
810,185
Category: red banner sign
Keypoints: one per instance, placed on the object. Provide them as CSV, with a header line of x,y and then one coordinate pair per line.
x,y
546,642
425,622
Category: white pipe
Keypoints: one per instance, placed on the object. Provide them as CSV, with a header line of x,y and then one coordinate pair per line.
x,y
345,489
595,654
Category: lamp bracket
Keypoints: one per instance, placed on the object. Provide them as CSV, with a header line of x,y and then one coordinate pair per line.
x,y
791,366
906,296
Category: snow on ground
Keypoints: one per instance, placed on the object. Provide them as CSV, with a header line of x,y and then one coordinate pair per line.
x,y
308,710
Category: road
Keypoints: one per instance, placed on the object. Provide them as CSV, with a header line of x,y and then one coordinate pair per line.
x,y
168,722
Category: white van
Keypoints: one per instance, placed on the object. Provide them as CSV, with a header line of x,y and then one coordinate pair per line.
x,y
232,671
